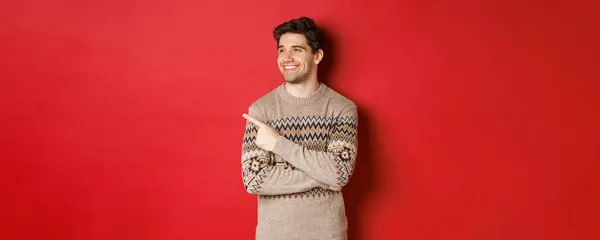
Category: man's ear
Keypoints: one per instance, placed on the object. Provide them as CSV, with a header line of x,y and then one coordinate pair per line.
x,y
319,56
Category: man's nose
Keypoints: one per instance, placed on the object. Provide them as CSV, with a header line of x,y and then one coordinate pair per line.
x,y
286,56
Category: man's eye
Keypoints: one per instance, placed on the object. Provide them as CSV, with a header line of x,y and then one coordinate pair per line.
x,y
297,49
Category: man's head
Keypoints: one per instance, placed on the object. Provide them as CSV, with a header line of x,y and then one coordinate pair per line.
x,y
299,47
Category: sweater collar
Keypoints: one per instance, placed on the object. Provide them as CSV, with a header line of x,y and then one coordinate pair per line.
x,y
313,97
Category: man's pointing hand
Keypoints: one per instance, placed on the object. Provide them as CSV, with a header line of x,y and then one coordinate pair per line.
x,y
266,137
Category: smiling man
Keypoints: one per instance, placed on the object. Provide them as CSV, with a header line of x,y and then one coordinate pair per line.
x,y
300,144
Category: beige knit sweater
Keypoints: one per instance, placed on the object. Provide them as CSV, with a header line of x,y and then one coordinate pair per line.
x,y
317,150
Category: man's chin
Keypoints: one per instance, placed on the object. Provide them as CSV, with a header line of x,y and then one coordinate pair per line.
x,y
291,80
294,77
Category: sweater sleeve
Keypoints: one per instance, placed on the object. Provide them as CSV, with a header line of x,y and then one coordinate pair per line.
x,y
334,166
260,173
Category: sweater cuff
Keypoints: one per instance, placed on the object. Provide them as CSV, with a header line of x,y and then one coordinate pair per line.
x,y
283,148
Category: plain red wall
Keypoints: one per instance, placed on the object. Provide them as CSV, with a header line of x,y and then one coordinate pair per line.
x,y
122,119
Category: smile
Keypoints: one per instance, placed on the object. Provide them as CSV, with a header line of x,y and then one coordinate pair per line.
x,y
289,68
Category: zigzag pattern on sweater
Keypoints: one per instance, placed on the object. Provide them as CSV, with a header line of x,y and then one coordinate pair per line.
x,y
336,136
313,193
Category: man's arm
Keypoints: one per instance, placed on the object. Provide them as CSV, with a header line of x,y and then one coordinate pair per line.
x,y
261,176
334,166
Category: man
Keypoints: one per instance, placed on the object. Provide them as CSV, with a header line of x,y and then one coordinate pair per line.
x,y
300,144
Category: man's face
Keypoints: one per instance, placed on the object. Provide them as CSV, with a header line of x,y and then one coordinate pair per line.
x,y
295,58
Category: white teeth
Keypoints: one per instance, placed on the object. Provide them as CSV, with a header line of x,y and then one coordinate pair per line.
x,y
289,67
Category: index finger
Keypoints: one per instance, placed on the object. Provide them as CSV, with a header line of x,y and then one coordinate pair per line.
x,y
253,120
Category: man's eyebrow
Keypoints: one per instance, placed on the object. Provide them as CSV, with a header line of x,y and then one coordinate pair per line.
x,y
293,46
298,46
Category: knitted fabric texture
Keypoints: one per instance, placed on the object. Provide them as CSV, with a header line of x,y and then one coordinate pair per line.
x,y
317,149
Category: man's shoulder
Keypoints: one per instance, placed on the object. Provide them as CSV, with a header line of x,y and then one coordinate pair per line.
x,y
340,100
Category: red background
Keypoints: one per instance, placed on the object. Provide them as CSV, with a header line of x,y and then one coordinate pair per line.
x,y
122,119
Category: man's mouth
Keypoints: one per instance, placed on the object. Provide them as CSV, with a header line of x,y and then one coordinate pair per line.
x,y
289,68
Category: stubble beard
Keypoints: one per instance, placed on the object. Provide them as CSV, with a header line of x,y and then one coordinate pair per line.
x,y
295,79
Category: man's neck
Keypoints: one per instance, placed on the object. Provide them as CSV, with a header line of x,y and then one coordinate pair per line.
x,y
303,89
